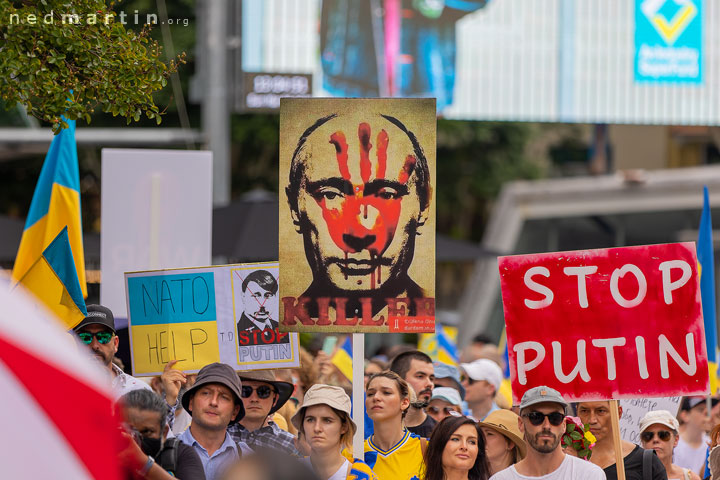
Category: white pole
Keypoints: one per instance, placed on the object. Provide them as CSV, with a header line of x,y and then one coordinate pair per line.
x,y
358,397
154,257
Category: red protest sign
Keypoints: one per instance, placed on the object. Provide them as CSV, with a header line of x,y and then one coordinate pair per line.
x,y
607,323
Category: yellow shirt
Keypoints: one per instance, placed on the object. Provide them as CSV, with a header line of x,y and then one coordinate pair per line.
x,y
401,462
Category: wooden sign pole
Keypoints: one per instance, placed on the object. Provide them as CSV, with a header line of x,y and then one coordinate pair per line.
x,y
358,393
615,418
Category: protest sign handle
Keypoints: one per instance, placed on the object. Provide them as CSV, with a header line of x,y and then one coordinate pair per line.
x,y
154,221
615,418
358,392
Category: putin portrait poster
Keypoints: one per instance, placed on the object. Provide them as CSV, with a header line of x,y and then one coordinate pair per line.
x,y
357,215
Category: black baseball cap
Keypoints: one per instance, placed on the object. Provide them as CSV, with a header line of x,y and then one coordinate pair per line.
x,y
689,403
97,315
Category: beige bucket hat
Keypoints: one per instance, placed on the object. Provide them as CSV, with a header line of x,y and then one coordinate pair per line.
x,y
505,422
320,394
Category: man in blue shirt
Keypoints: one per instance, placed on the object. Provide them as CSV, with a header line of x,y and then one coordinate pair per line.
x,y
214,403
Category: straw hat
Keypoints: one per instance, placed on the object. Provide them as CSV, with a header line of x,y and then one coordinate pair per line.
x,y
505,422
320,394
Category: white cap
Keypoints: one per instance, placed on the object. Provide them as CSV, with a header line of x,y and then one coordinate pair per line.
x,y
484,369
448,394
662,417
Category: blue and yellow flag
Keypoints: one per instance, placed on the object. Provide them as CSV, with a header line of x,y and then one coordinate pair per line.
x,y
55,205
441,346
53,280
505,386
342,358
706,267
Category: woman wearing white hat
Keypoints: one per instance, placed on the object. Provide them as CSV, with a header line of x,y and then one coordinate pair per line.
x,y
659,432
324,420
504,444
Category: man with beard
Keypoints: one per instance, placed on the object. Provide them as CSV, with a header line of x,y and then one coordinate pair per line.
x,y
97,331
416,368
542,422
597,416
257,325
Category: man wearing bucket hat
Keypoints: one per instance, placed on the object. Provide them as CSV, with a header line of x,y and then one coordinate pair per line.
x,y
504,444
262,395
542,423
214,403
324,420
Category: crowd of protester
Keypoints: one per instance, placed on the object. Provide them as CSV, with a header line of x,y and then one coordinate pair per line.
x,y
424,420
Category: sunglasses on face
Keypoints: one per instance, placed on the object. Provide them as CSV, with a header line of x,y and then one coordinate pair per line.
x,y
469,380
102,337
447,410
663,435
263,391
538,418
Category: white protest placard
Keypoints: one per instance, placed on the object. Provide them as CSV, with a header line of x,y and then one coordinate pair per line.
x,y
201,315
634,409
156,213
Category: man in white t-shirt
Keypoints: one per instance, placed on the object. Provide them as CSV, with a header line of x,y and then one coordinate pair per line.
x,y
692,447
542,421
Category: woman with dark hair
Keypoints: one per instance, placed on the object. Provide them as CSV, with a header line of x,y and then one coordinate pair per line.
x,y
456,451
392,451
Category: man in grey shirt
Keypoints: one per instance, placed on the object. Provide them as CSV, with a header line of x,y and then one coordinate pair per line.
x,y
542,421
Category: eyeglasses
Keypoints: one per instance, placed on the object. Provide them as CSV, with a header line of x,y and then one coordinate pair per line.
x,y
263,391
447,410
102,337
469,380
538,418
663,435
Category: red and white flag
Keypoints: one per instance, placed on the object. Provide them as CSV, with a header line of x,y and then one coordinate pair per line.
x,y
55,400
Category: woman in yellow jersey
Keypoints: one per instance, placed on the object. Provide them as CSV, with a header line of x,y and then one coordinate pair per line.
x,y
392,451
325,423
456,451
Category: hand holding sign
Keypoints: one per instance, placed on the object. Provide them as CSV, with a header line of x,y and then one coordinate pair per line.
x,y
172,381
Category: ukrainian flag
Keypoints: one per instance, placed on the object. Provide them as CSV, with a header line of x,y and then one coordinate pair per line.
x,y
505,386
441,346
706,267
55,205
342,358
53,280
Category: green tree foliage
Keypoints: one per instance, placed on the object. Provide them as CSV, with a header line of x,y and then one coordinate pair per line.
x,y
474,160
60,58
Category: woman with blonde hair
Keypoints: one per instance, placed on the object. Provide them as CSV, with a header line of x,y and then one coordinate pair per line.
x,y
392,451
325,424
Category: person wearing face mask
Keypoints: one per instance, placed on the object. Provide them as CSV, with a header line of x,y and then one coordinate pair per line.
x,y
146,414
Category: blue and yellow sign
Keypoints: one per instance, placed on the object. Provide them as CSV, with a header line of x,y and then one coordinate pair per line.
x,y
668,41
173,317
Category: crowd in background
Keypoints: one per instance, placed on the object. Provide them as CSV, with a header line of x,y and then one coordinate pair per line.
x,y
424,420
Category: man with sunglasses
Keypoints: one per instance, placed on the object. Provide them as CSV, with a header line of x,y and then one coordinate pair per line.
x,y
659,432
97,331
481,380
597,416
262,395
542,422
